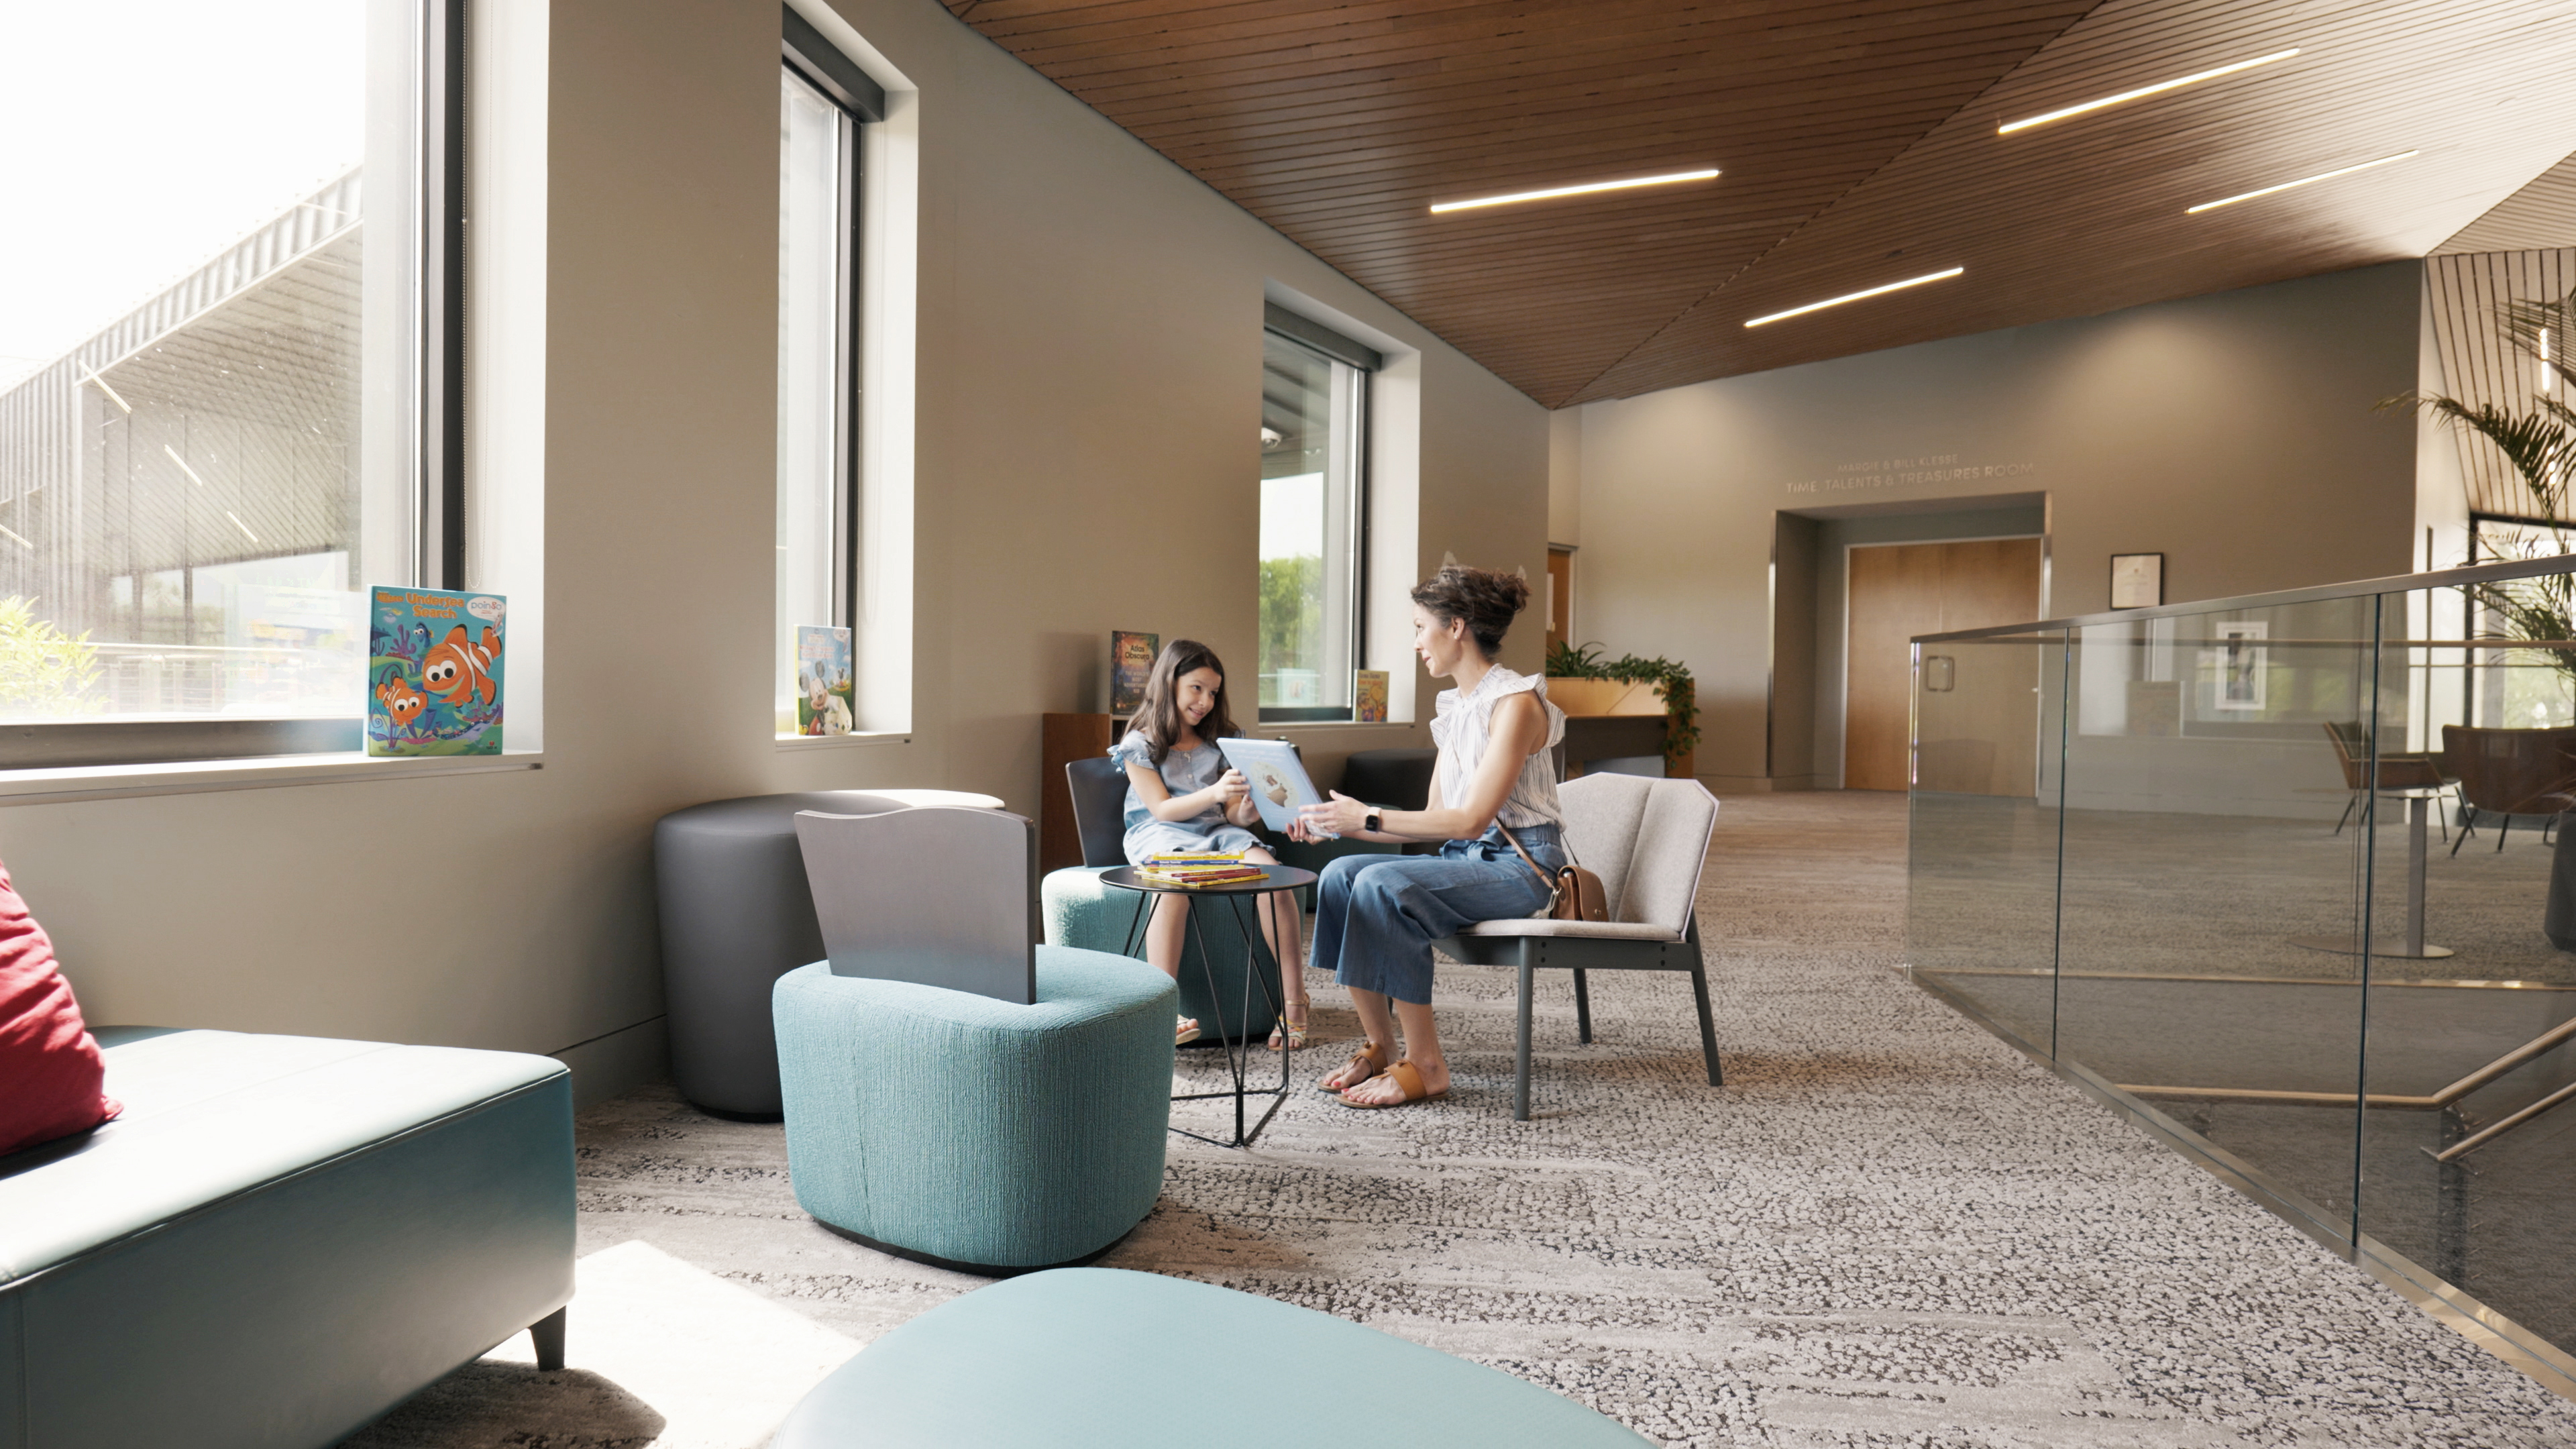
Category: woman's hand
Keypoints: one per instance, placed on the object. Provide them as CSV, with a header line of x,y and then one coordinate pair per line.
x,y
1340,815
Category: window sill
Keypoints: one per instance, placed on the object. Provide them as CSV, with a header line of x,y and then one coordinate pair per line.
x,y
793,743
1335,724
104,782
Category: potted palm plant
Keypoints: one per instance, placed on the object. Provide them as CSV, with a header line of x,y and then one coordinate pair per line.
x,y
2539,441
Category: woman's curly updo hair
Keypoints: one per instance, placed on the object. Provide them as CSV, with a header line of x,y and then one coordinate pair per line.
x,y
1487,601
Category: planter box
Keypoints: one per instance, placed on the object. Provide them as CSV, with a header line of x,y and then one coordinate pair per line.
x,y
1604,696
1613,697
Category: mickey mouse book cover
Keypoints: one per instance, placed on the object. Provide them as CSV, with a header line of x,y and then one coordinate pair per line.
x,y
434,672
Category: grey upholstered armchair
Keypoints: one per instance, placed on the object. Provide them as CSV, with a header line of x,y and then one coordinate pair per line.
x,y
1646,839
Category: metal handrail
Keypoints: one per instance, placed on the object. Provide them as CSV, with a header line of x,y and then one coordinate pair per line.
x,y
2395,584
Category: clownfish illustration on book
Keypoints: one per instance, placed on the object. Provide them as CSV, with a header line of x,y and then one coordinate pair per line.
x,y
434,682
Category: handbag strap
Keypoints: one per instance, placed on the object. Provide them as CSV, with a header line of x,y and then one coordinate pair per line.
x,y
1544,878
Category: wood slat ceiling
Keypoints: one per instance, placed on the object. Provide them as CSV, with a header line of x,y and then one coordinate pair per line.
x,y
2536,218
1857,140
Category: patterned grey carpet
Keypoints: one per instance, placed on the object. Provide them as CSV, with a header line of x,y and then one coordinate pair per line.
x,y
1887,1229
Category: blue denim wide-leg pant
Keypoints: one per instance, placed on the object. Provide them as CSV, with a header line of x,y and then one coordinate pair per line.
x,y
1377,915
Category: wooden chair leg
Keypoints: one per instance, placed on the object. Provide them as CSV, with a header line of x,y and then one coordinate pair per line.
x,y
1521,1074
1707,1025
547,1334
1582,1009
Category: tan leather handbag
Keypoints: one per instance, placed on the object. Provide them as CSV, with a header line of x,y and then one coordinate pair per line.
x,y
1573,893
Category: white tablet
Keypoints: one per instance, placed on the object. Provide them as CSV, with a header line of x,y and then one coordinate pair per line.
x,y
1279,781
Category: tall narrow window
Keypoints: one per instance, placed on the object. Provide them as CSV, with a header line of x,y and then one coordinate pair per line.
x,y
224,367
824,100
1314,448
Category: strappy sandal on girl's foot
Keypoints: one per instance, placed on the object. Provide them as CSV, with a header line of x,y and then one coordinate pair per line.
x,y
1408,1080
1290,1027
1365,1056
1186,1032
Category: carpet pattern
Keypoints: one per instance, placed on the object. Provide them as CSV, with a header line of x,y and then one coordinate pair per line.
x,y
1887,1229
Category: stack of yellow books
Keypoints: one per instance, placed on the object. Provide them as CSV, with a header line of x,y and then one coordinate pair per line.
x,y
1197,869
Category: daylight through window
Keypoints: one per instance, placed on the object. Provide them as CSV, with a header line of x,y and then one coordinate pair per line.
x,y
1313,444
209,361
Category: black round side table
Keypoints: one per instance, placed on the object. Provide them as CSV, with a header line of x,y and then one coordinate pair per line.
x,y
1237,896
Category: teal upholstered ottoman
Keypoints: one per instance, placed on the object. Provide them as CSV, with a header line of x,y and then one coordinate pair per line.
x,y
1091,1356
1086,915
975,1133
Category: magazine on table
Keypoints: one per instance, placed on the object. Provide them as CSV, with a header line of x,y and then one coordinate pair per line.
x,y
1279,781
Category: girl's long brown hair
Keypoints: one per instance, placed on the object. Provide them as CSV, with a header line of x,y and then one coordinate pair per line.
x,y
1159,720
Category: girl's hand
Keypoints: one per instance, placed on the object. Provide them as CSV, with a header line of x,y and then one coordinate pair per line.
x,y
1232,789
1340,815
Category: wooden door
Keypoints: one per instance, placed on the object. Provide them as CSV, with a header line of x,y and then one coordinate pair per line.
x,y
1560,595
1897,591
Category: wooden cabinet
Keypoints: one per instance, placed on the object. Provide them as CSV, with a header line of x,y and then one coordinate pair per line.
x,y
1064,738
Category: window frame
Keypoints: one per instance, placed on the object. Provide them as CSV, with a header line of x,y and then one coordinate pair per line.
x,y
437,461
807,55
1367,362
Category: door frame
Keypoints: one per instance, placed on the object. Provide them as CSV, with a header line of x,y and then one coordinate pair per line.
x,y
1842,685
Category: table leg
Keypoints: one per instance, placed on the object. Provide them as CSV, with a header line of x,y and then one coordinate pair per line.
x,y
2415,811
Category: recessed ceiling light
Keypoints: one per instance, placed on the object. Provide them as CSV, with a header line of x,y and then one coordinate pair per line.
x,y
1583,190
1856,296
2142,92
2302,181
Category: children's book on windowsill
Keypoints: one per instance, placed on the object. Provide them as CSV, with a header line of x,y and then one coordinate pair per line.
x,y
434,684
826,699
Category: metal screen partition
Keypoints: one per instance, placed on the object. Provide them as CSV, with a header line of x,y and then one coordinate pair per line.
x,y
2280,876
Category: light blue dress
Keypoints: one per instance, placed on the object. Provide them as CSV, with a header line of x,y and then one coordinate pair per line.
x,y
1183,772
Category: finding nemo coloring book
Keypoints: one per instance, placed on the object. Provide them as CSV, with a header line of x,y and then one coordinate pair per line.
x,y
434,673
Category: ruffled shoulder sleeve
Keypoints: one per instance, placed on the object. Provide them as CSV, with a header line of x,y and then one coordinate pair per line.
x,y
1133,750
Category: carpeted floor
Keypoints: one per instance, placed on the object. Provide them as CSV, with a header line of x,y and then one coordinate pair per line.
x,y
1887,1229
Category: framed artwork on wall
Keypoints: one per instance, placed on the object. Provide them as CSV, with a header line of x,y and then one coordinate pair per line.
x,y
2137,580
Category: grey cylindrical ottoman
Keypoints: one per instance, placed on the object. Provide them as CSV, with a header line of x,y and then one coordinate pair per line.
x,y
736,916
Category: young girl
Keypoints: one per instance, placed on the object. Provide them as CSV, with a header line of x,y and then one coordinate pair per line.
x,y
1181,795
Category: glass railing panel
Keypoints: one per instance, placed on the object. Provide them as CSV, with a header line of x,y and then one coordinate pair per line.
x,y
1982,918
2469,1135
2213,862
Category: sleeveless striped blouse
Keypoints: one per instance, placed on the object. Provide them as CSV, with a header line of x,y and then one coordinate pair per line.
x,y
1462,727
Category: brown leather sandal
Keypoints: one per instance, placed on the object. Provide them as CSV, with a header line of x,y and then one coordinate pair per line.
x,y
1408,1080
1367,1053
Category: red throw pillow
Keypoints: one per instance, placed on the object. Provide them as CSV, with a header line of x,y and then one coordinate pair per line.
x,y
50,1067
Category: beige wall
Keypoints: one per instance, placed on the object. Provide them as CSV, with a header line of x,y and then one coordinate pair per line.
x,y
1088,395
2233,433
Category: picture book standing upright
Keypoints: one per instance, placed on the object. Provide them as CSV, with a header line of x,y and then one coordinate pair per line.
x,y
1131,663
826,700
434,672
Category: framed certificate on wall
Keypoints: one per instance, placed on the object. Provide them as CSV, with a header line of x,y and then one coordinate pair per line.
x,y
2137,580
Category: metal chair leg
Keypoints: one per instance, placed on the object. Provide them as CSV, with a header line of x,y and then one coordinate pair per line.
x,y
2504,827
2344,818
1582,1009
1521,1074
1707,1025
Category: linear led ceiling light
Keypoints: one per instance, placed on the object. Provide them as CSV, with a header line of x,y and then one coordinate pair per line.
x,y
1856,296
2302,181
2142,92
183,465
1585,189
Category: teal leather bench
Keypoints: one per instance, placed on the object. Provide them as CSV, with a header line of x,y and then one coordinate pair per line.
x,y
280,1239
1082,1356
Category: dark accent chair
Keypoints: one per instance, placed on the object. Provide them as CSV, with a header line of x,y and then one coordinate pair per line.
x,y
2511,772
2419,770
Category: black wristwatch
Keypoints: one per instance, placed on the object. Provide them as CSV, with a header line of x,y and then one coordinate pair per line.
x,y
1374,823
